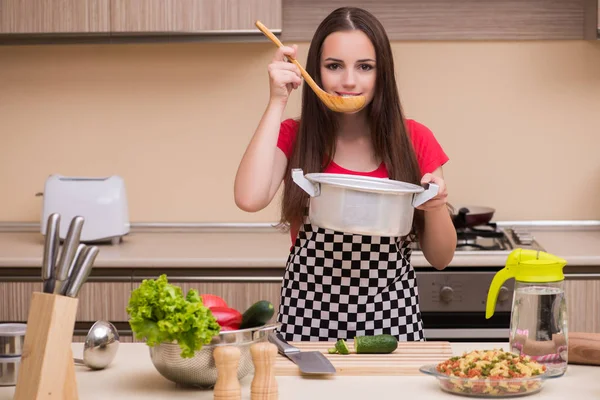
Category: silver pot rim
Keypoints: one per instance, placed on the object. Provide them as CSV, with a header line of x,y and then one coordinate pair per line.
x,y
11,329
365,183
235,337
10,359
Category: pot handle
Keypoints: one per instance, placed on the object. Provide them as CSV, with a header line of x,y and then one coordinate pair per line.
x,y
431,190
313,189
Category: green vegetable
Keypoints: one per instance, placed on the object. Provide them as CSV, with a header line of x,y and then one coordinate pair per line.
x,y
257,314
382,344
160,313
342,347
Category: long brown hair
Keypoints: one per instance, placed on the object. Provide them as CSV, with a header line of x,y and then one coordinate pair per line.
x,y
315,140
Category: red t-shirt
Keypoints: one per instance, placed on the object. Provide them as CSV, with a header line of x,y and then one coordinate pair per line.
x,y
430,154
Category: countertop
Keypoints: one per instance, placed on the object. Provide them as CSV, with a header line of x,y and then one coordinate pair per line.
x,y
132,376
268,248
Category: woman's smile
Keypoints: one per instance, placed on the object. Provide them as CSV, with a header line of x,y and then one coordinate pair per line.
x,y
348,94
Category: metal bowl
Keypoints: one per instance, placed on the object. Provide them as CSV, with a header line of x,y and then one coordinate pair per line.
x,y
12,337
200,370
9,369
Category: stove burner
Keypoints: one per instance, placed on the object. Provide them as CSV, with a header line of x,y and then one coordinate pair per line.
x,y
483,237
489,230
475,246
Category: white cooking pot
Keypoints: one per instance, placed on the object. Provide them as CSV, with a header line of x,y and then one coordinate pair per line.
x,y
362,205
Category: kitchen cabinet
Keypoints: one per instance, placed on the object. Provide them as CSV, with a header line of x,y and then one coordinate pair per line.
x,y
192,16
54,16
103,300
15,298
452,20
97,300
592,19
70,19
583,308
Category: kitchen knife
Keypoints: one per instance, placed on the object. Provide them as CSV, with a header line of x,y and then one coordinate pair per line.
x,y
78,256
75,266
50,252
68,253
81,271
309,362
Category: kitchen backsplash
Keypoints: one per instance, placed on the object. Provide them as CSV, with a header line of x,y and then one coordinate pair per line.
x,y
519,120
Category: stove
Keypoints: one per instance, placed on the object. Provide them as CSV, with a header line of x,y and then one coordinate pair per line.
x,y
453,300
490,237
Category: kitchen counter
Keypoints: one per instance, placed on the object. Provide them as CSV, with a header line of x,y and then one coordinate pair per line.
x,y
132,376
266,248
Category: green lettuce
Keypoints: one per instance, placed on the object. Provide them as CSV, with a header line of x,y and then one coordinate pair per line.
x,y
160,313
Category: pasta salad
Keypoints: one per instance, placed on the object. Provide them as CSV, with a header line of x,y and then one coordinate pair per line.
x,y
491,372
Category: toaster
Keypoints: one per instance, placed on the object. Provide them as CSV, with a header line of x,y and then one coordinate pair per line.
x,y
102,202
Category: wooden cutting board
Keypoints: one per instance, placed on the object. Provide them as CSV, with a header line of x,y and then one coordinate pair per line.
x,y
406,360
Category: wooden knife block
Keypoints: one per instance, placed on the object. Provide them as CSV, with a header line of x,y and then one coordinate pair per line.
x,y
47,369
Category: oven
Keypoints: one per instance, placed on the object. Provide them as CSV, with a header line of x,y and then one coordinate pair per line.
x,y
453,300
453,304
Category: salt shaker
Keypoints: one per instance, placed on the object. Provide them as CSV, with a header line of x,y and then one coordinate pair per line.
x,y
227,387
264,385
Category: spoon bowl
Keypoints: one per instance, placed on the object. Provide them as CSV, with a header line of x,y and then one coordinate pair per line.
x,y
334,103
100,347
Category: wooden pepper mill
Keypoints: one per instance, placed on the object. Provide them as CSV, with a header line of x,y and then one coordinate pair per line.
x,y
227,359
264,385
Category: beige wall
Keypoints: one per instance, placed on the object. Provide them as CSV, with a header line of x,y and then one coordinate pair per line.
x,y
519,120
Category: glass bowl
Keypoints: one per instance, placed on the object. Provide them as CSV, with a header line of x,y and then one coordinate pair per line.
x,y
487,388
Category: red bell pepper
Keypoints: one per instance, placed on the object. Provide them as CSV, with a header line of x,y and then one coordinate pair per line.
x,y
228,318
212,300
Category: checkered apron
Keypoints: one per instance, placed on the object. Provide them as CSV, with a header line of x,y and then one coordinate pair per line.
x,y
338,286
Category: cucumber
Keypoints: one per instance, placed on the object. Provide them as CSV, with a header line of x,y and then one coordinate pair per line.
x,y
378,344
341,347
257,314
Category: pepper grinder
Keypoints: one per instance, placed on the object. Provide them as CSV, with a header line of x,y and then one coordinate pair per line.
x,y
264,385
227,386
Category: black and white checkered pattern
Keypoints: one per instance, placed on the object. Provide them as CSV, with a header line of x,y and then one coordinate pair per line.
x,y
338,286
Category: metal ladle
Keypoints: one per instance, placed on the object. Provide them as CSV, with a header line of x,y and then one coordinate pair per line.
x,y
101,344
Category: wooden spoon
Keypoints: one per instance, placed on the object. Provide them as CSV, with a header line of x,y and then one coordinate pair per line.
x,y
334,103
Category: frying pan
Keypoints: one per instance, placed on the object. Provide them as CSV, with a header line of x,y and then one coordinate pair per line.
x,y
466,216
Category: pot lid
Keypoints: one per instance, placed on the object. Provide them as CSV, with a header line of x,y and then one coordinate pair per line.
x,y
364,183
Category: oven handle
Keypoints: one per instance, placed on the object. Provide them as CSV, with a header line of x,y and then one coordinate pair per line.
x,y
483,333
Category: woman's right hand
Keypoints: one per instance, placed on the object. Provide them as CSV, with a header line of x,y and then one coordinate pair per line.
x,y
283,75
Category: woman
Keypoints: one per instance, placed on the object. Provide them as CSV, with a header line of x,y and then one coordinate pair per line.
x,y
339,285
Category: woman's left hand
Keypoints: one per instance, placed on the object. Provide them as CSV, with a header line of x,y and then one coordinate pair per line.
x,y
440,199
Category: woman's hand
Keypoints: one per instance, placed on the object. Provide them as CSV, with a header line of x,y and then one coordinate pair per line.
x,y
283,76
440,199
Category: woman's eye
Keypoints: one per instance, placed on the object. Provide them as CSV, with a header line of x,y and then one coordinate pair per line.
x,y
333,66
366,67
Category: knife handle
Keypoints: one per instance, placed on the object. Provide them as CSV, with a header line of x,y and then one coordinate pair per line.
x,y
68,252
51,247
282,346
81,271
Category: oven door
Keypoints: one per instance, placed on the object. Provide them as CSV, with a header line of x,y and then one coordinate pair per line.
x,y
466,327
453,304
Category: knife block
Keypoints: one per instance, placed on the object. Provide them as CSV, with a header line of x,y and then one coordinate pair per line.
x,y
47,369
